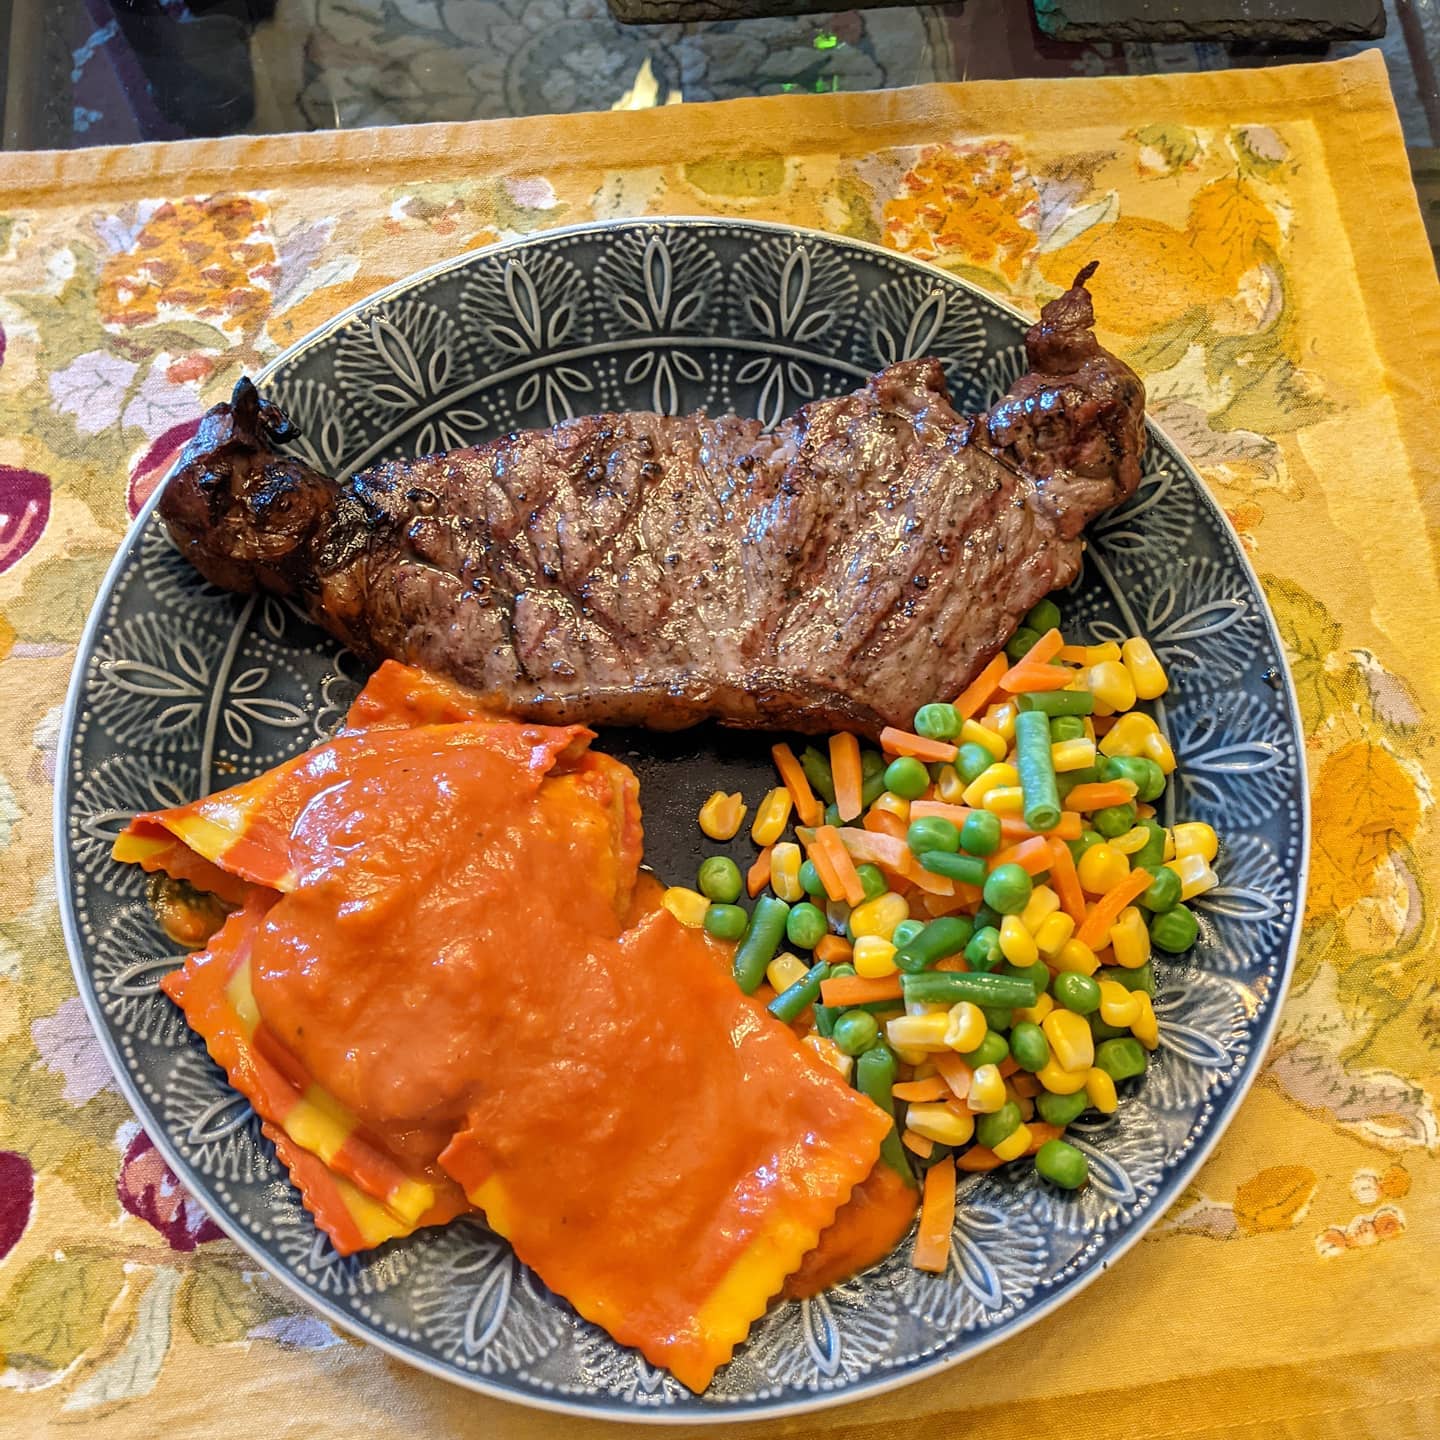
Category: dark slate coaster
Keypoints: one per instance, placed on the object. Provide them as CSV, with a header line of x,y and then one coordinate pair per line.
x,y
1191,21
679,12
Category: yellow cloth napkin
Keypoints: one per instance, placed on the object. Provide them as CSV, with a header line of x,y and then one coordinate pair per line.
x,y
1263,264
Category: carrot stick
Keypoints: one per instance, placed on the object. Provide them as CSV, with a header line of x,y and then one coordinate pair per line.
x,y
845,771
958,814
1045,649
1103,724
882,822
1106,910
902,742
1008,1066
852,888
759,876
1040,1132
1032,855
1147,812
954,1072
1100,795
1013,828
950,904
1024,678
834,950
922,879
976,695
841,990
918,1091
807,807
867,847
977,1157
937,1218
1065,882
921,1145
953,963
1074,654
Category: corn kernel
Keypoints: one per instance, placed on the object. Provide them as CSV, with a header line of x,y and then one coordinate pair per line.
x,y
784,970
785,872
1112,687
1099,654
1072,755
1100,1091
1157,748
989,779
1035,1013
972,732
1128,734
830,1053
908,1056
687,906
1195,837
1118,1006
722,815
924,1034
967,1027
987,1090
874,957
1169,848
1132,841
879,916
941,1123
1145,670
1101,869
1089,728
1005,800
1014,1145
1052,934
1196,876
1017,944
772,816
1071,1043
1130,939
1001,719
1043,902
1145,1028
949,786
1059,1081
1077,957
888,803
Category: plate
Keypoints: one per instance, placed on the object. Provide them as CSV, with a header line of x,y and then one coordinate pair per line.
x,y
180,688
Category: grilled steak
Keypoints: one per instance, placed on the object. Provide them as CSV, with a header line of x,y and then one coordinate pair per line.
x,y
868,555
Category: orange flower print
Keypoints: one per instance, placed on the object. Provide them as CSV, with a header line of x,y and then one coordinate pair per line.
x,y
973,204
203,259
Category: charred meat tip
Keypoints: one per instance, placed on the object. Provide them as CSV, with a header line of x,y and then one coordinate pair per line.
x,y
1086,271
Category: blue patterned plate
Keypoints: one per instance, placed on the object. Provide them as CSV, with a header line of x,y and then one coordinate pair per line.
x,y
180,689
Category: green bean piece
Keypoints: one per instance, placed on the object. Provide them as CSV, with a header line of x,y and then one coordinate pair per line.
x,y
1067,781
872,878
832,815
1141,978
938,722
1037,974
855,1031
947,935
825,1018
1044,615
1114,820
720,880
817,772
1021,643
1121,1058
1067,727
1029,1047
992,1050
999,1125
984,916
1061,1109
1151,856
1163,892
1076,992
810,881
983,953
932,832
762,939
726,922
875,1073
790,1003
905,932
805,925
1007,889
950,987
966,868
1175,930
1062,1164
872,777
1058,702
980,834
1037,771
1103,1029
907,778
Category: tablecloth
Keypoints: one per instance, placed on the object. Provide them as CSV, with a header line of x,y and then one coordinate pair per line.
x,y
1262,262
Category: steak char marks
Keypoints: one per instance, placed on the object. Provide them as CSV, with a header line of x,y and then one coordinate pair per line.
x,y
868,555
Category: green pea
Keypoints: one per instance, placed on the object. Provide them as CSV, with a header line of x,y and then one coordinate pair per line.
x,y
999,1125
855,1032
980,834
1067,727
1163,892
1142,772
1152,787
1141,978
1103,1029
937,722
997,1018
1008,889
1061,1109
1151,855
1121,1058
1037,974
1062,1164
872,877
1076,992
720,879
905,932
805,925
1114,820
992,1050
810,881
932,832
983,952
985,916
726,922
907,778
1175,930
1029,1047
1078,847
1021,642
972,761
1043,616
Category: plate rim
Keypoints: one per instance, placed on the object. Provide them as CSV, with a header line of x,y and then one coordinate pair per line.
x,y
620,1411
